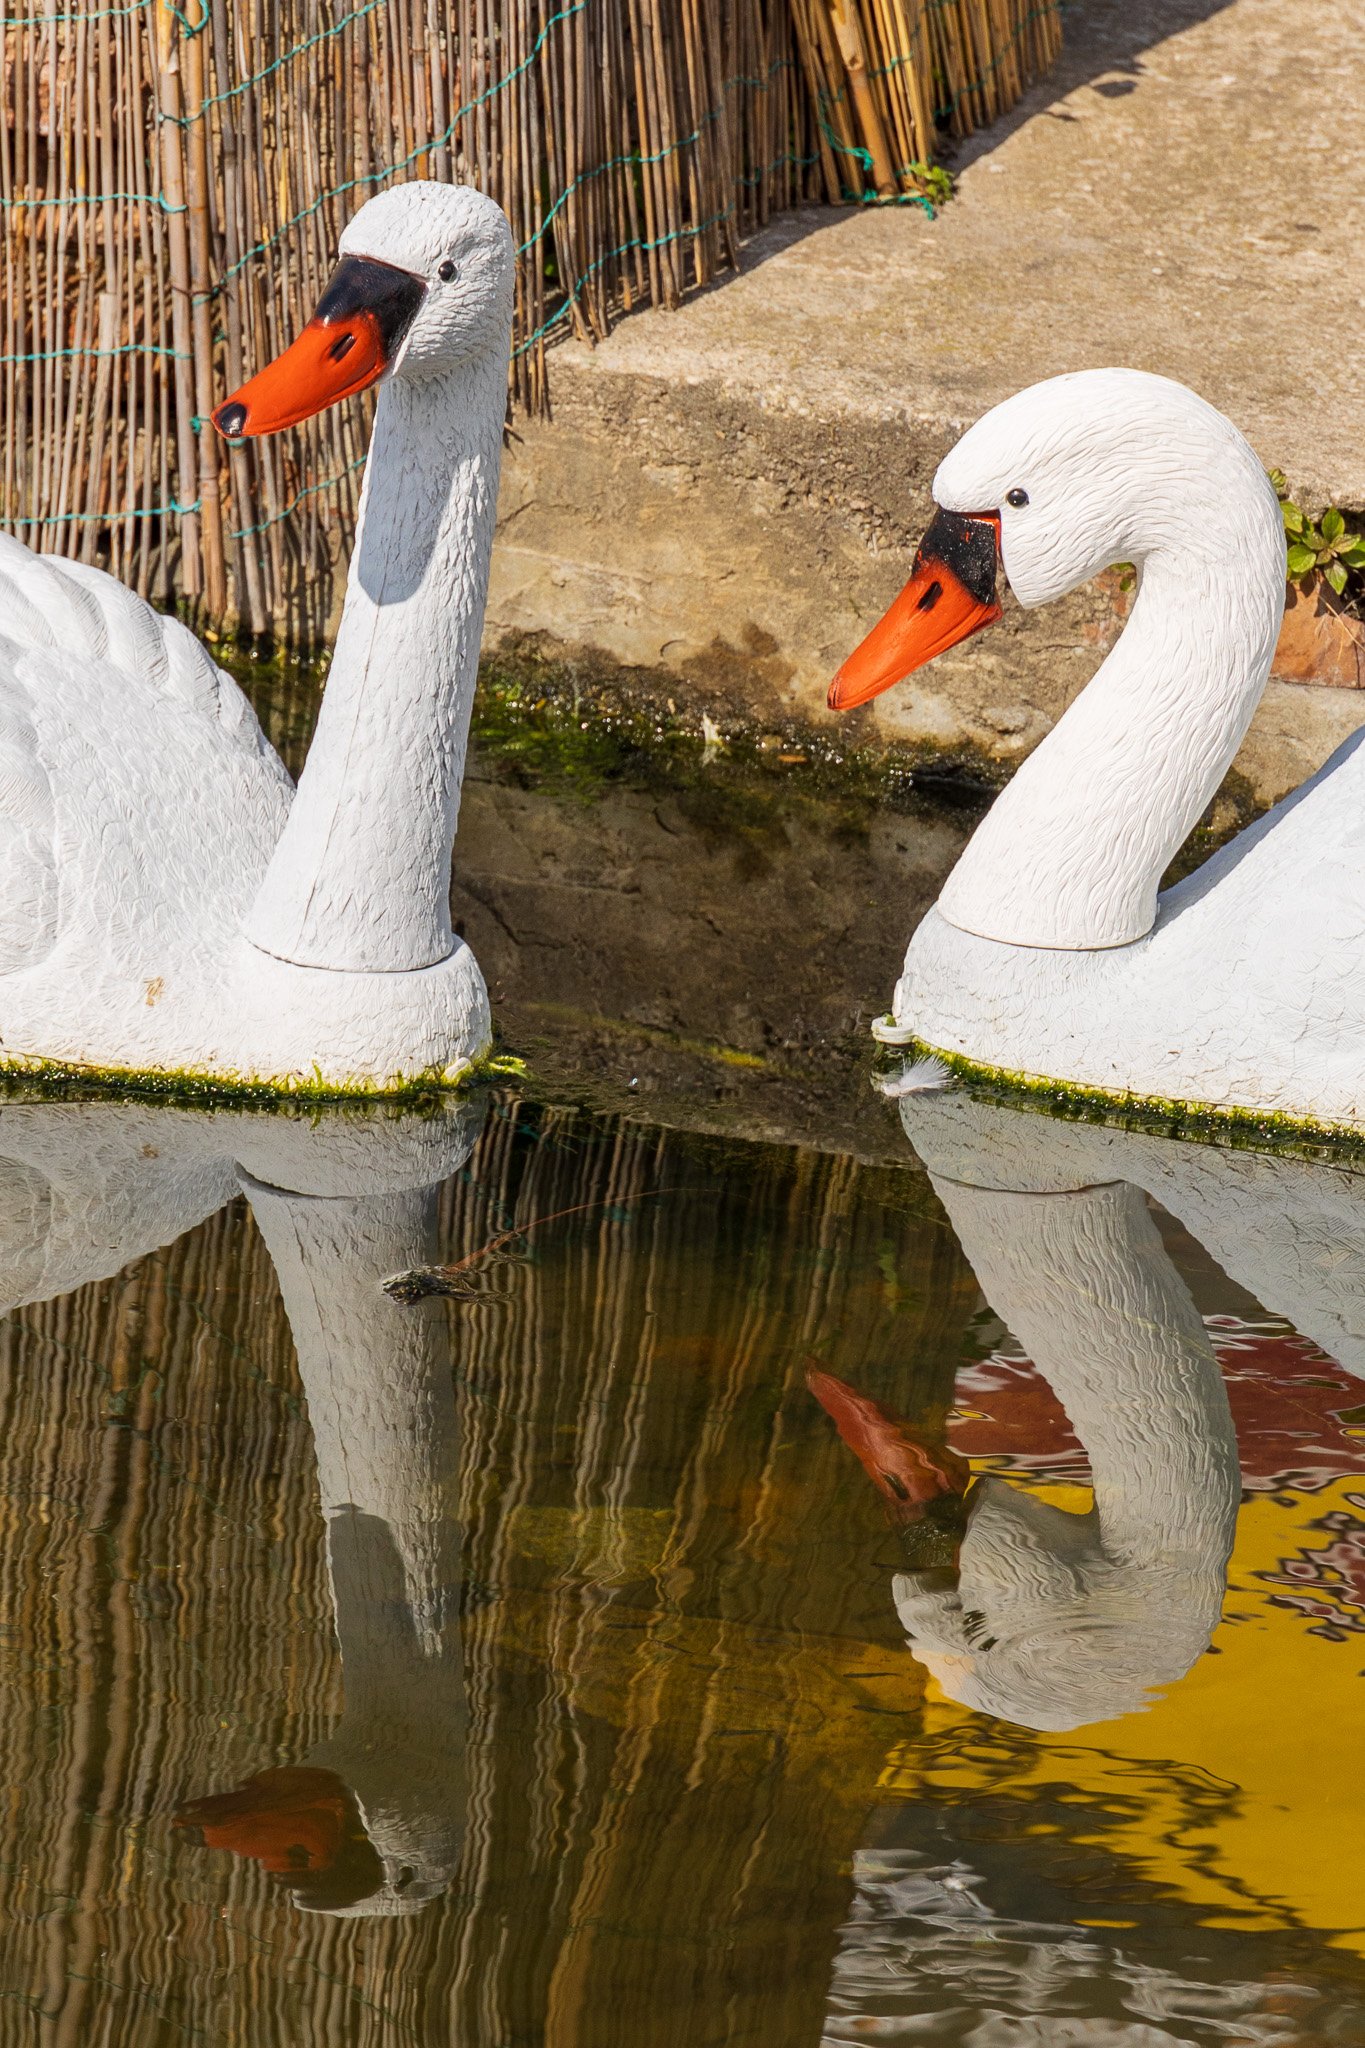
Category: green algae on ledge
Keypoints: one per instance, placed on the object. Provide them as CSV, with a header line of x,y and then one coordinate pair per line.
x,y
30,1078
1203,1123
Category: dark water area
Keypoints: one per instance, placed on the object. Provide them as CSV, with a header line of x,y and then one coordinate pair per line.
x,y
685,1552
707,932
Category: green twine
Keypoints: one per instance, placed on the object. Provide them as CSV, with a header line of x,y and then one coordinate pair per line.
x,y
97,199
126,348
864,157
945,113
326,484
623,249
108,518
425,149
561,311
218,99
658,156
74,20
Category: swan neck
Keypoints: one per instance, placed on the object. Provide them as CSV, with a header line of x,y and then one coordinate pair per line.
x,y
1086,1288
1072,852
360,879
380,1393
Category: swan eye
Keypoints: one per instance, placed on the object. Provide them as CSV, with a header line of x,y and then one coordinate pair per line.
x,y
1016,497
447,272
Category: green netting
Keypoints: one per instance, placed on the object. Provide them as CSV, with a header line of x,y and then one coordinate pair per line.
x,y
174,179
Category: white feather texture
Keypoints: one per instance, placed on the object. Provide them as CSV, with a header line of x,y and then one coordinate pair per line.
x,y
1048,953
917,1077
162,906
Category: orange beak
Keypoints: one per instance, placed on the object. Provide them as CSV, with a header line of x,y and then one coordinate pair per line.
x,y
907,1470
361,322
950,595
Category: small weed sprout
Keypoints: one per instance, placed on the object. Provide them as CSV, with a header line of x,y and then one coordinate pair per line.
x,y
931,182
1328,548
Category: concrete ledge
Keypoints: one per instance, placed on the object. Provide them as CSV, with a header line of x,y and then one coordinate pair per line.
x,y
727,496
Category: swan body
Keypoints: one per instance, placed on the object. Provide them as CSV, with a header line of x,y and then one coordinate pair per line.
x,y
168,903
1050,953
1248,993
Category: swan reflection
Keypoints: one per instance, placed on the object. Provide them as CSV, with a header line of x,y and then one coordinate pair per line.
x,y
371,1820
1019,1608
980,1906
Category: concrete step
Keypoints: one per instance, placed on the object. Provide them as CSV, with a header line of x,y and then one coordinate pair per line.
x,y
728,496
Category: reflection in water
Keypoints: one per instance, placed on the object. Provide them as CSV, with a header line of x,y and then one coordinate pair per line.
x,y
303,1825
1050,1618
372,1821
380,1397
673,1729
1044,1616
523,1659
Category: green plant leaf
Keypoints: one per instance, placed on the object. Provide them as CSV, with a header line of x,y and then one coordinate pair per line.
x,y
1279,482
1333,525
1293,518
1301,559
1354,552
1336,576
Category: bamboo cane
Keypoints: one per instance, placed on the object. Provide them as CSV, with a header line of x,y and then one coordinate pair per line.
x,y
173,195
848,34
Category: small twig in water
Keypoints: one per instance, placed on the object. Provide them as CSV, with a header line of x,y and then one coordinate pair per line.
x,y
421,1282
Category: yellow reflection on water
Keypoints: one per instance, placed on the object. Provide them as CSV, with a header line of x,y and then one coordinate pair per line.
x,y
1239,1790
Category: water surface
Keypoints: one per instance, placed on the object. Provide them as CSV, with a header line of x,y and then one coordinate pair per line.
x,y
530,1664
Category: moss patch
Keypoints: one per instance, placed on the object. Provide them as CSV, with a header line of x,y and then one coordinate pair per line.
x,y
578,727
573,725
57,1080
1205,1123
562,1014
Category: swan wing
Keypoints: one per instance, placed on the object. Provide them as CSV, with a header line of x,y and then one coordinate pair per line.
x,y
96,686
80,613
28,848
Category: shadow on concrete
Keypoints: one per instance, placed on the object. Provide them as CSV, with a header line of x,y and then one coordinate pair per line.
x,y
1104,42
1103,49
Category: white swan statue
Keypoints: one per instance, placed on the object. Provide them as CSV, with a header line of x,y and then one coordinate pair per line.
x,y
168,905
1050,955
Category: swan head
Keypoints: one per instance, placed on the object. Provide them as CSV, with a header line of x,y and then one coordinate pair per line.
x,y
424,283
308,1829
1055,484
1036,1625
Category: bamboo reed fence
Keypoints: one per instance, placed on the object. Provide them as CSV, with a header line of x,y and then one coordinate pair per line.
x,y
173,181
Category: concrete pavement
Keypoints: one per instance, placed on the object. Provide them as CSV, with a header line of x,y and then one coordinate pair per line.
x,y
727,496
